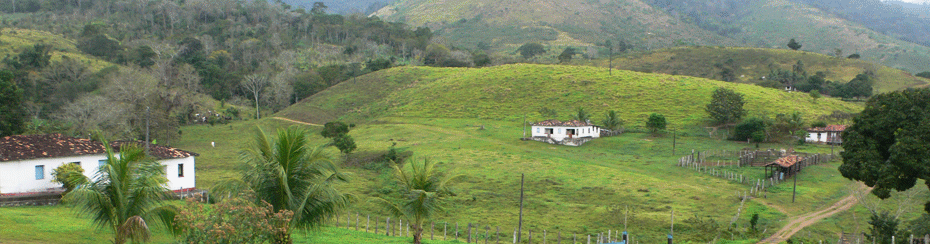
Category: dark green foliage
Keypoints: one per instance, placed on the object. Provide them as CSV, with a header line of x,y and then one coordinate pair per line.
x,y
530,50
861,86
143,56
334,129
436,54
726,106
854,56
344,143
748,129
319,8
920,226
101,45
582,115
815,94
612,121
888,145
794,45
925,74
484,46
11,106
36,57
656,122
753,222
378,64
481,59
566,55
817,124
883,227
307,84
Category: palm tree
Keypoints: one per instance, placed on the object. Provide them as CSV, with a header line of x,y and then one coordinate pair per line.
x,y
289,174
612,122
425,189
126,195
582,115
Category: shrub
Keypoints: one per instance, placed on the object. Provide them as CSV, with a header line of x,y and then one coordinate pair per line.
x,y
233,221
69,175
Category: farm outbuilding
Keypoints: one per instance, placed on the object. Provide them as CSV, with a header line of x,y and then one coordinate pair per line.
x,y
572,132
831,134
784,167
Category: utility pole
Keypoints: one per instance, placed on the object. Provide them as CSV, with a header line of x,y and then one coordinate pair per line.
x,y
524,126
520,223
795,190
148,118
674,139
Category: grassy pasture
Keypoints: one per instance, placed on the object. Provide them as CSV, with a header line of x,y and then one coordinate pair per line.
x,y
13,41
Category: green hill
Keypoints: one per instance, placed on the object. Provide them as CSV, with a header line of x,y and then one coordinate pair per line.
x,y
511,91
13,41
754,63
652,24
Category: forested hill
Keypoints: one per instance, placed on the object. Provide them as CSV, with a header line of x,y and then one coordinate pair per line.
x,y
650,24
911,23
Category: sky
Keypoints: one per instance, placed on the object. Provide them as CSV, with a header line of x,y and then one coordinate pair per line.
x,y
914,1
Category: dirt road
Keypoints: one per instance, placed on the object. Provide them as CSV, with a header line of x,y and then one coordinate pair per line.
x,y
295,121
798,223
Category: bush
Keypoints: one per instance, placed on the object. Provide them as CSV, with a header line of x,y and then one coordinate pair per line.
x,y
656,122
925,74
69,175
233,221
748,129
334,129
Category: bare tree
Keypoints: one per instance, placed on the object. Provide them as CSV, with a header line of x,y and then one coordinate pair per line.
x,y
280,89
254,84
96,113
901,201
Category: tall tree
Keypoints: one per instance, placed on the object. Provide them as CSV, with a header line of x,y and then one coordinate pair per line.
x,y
530,50
290,174
126,195
726,106
610,57
566,55
255,84
794,45
612,121
11,106
582,115
424,194
888,145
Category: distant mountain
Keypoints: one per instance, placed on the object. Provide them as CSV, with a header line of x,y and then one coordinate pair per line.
x,y
652,24
364,7
905,21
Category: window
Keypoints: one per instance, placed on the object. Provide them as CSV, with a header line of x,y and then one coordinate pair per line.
x,y
537,130
101,163
77,163
180,170
40,172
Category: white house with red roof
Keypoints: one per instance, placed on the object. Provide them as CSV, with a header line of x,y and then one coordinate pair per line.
x,y
27,161
831,134
561,132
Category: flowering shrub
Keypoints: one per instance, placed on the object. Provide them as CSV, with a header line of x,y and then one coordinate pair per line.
x,y
233,221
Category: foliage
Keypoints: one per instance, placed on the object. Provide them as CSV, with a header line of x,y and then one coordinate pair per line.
x,y
887,145
925,74
548,112
612,121
126,195
530,50
920,226
481,59
289,174
235,220
750,128
883,226
334,129
566,55
754,221
378,64
11,105
815,94
424,193
70,176
854,56
794,45
344,143
787,125
581,115
817,124
726,106
33,58
103,46
656,122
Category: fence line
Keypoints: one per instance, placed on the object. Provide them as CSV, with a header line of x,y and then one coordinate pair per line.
x,y
718,166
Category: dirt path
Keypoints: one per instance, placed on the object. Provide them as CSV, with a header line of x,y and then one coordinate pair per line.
x,y
295,121
798,223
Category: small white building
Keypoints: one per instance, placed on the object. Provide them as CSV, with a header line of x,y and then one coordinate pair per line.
x,y
27,161
829,135
562,131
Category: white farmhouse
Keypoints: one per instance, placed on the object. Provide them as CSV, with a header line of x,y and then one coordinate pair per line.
x,y
27,161
571,132
829,135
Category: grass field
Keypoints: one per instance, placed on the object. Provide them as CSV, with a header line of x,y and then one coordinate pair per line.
x,y
13,41
754,63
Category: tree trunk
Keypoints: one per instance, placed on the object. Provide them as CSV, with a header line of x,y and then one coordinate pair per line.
x,y
417,233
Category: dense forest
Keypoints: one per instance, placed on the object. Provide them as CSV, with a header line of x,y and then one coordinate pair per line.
x,y
251,53
889,19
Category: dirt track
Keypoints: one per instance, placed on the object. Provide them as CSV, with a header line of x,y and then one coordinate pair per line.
x,y
798,223
295,121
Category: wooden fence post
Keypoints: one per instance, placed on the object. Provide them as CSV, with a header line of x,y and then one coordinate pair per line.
x,y
468,240
456,231
487,229
348,220
387,226
498,234
376,224
444,226
529,237
356,221
367,222
589,238
432,226
560,238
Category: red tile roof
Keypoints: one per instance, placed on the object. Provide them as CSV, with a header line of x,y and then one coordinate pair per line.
x,y
570,123
21,147
788,161
829,128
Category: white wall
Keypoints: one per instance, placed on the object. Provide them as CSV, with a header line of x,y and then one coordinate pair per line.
x,y
812,137
20,177
560,132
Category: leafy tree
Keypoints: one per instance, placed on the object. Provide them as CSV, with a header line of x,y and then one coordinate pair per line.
x,y
582,115
788,124
530,50
566,55
334,129
748,129
726,106
612,121
126,195
36,57
817,124
754,222
861,86
235,220
378,64
481,59
101,45
656,122
70,176
319,8
925,74
344,143
11,105
920,226
436,54
883,226
794,45
290,175
854,56
424,194
815,94
888,144
484,45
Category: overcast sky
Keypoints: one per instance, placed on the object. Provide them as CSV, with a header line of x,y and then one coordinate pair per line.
x,y
915,1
